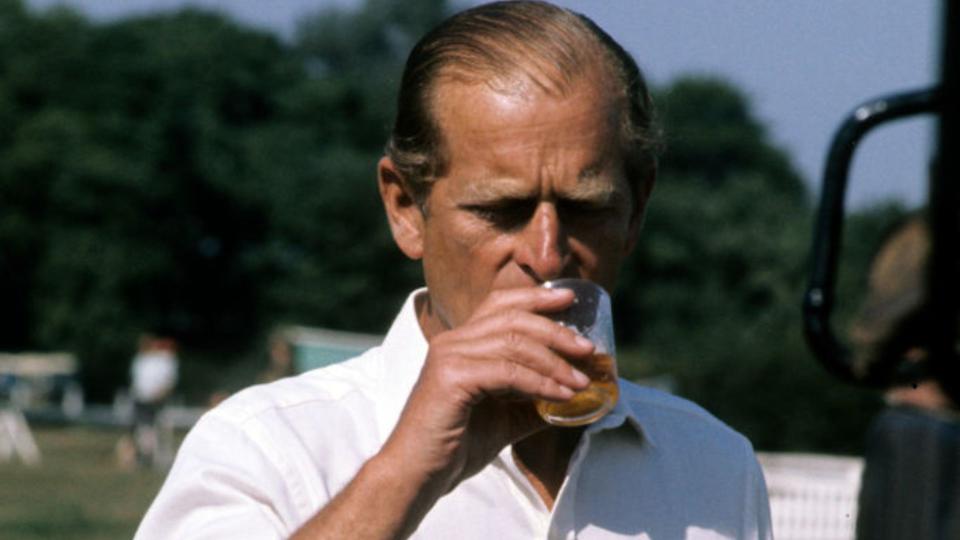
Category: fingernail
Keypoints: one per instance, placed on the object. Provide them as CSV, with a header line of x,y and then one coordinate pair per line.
x,y
583,342
581,379
567,392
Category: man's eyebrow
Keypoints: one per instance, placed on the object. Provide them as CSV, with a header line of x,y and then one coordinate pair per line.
x,y
592,186
590,172
592,192
494,189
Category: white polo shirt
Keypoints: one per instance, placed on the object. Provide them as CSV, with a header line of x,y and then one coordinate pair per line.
x,y
267,459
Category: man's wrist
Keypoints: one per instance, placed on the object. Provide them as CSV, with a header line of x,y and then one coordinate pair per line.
x,y
386,499
405,464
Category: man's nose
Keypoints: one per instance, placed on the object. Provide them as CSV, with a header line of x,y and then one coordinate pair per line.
x,y
543,252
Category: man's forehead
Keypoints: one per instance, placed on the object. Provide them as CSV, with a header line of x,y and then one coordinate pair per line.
x,y
476,109
526,86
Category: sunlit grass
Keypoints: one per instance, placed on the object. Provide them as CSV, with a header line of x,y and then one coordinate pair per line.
x,y
78,491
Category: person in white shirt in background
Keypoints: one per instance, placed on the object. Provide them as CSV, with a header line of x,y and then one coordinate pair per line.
x,y
523,151
153,376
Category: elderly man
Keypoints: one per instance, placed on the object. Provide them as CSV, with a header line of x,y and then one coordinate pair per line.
x,y
522,152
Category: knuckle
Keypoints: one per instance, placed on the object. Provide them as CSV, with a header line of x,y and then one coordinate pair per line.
x,y
511,373
494,299
512,340
497,294
446,375
441,359
512,316
440,342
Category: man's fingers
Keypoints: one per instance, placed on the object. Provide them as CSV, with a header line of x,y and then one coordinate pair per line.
x,y
510,348
518,347
505,377
511,323
531,299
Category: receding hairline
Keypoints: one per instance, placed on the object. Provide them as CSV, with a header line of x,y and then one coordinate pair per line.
x,y
519,57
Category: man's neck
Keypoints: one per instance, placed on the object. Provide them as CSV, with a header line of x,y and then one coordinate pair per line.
x,y
544,457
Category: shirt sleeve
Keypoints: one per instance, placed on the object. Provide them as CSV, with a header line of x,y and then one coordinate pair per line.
x,y
222,485
756,507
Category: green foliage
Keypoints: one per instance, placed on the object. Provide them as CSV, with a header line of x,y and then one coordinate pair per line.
x,y
182,174
723,238
712,134
712,295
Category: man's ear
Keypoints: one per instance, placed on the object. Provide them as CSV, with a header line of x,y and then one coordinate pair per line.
x,y
643,192
403,212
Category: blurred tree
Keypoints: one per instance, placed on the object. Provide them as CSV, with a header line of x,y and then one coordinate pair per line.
x,y
712,295
728,218
30,63
713,135
119,166
181,174
330,248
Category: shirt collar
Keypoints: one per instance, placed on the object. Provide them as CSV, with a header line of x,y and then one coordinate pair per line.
x,y
403,352
623,413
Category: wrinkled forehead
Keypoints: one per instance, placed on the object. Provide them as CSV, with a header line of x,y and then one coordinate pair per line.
x,y
524,89
530,70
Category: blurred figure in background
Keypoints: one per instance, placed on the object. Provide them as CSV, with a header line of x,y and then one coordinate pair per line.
x,y
911,484
153,376
280,358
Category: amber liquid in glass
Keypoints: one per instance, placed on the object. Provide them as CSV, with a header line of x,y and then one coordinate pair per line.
x,y
588,405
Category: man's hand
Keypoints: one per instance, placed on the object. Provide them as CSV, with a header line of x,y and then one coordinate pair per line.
x,y
474,397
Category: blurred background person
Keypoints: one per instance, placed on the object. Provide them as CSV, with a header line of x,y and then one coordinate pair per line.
x,y
279,358
153,377
909,487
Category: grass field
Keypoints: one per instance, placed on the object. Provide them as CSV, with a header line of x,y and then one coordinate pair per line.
x,y
77,492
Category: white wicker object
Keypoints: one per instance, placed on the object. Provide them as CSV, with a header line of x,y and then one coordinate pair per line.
x,y
812,497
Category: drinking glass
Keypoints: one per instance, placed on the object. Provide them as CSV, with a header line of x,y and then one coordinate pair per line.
x,y
589,315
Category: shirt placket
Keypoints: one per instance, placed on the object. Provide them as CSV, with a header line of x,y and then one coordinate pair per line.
x,y
527,499
556,524
562,518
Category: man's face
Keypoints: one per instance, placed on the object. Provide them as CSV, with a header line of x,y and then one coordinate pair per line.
x,y
534,190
